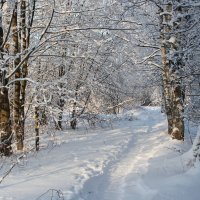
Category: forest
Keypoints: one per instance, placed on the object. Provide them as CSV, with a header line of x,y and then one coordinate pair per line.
x,y
107,75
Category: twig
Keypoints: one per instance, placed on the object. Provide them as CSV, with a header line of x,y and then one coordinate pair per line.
x,y
8,172
11,168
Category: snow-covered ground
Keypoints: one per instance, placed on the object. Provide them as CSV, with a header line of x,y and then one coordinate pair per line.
x,y
132,159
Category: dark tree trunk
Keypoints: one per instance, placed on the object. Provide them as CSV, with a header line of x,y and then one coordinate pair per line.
x,y
24,70
5,125
61,101
17,105
37,124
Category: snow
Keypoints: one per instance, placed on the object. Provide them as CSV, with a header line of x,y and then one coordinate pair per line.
x,y
132,159
172,40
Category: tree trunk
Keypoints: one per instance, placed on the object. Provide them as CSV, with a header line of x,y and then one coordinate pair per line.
x,y
61,100
37,124
73,122
165,49
176,69
17,105
171,67
24,71
5,125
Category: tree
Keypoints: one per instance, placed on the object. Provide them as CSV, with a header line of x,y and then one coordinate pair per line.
x,y
5,128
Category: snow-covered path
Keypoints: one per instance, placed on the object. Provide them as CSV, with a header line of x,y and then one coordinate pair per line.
x,y
126,176
123,179
133,159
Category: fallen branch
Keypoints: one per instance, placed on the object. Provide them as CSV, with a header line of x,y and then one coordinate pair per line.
x,y
11,168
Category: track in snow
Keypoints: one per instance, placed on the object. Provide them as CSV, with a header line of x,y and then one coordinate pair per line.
x,y
124,178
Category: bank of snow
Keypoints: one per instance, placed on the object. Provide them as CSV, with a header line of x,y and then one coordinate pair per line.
x,y
132,159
